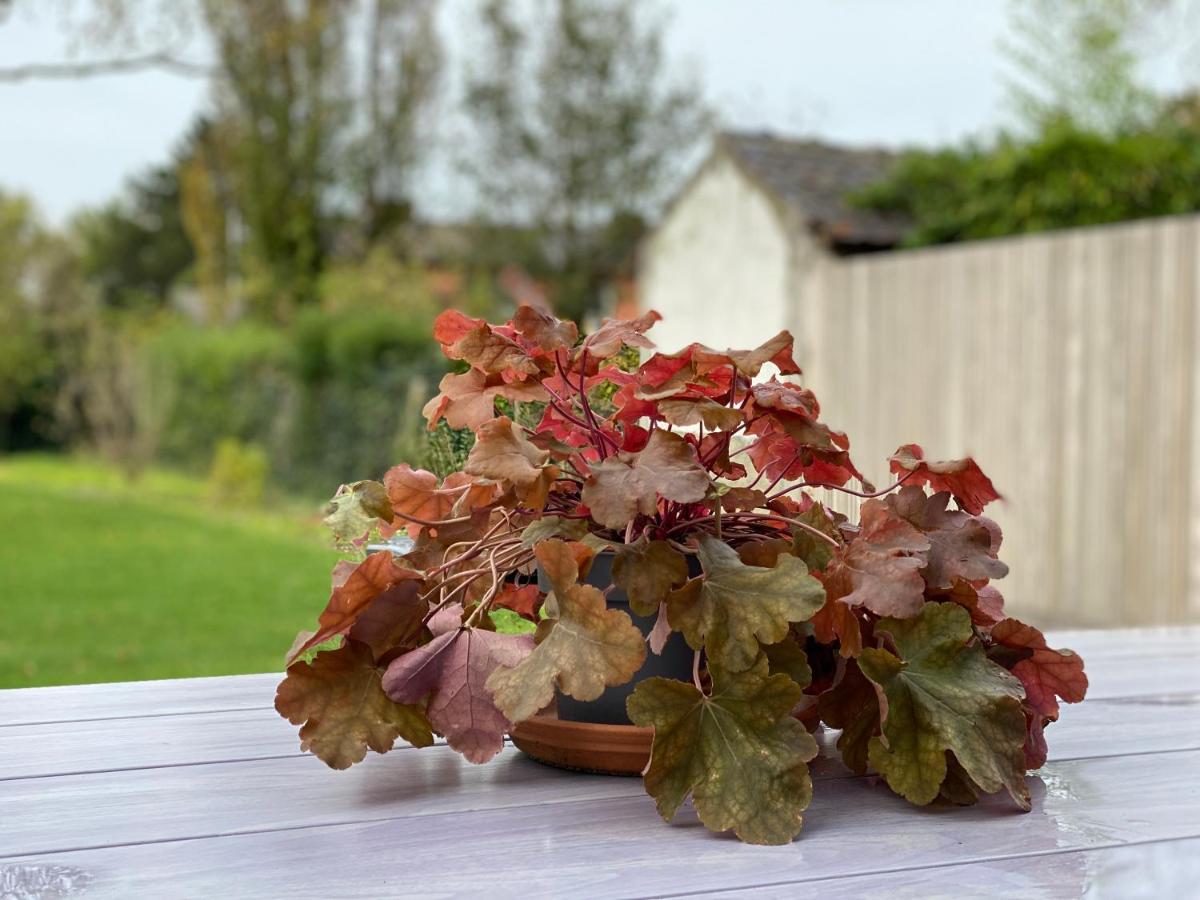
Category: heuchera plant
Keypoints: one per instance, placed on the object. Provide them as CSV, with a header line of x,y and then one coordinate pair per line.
x,y
887,629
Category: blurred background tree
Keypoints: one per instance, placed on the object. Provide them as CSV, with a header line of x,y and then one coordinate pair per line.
x,y
579,130
272,284
1092,143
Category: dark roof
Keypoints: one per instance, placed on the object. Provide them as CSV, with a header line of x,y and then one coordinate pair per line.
x,y
813,179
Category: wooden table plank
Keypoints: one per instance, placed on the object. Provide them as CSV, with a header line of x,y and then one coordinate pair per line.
x,y
1179,647
119,744
1151,724
1166,869
425,782
618,848
173,747
87,702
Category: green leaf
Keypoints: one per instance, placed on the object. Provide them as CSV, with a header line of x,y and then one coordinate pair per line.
x,y
738,752
943,693
816,553
585,648
354,511
646,571
338,700
553,526
732,607
788,658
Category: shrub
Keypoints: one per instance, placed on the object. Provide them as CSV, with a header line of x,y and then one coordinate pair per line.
x,y
200,385
239,473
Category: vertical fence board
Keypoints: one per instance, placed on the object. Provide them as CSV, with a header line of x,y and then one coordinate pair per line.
x,y
1069,365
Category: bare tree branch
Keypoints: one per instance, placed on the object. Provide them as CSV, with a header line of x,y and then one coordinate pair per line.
x,y
94,68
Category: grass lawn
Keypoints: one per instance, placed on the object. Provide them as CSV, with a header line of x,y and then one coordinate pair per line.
x,y
106,580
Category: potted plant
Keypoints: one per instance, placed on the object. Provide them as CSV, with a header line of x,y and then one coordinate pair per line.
x,y
686,487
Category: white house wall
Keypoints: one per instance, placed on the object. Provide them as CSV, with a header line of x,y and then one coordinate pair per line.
x,y
719,267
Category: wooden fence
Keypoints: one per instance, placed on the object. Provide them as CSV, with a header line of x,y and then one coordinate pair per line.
x,y
1068,364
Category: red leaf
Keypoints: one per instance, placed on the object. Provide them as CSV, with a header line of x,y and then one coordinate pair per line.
x,y
623,486
468,400
416,494
670,375
985,604
548,332
634,439
373,576
1048,675
630,407
961,477
883,563
452,326
835,620
392,620
452,670
612,334
960,546
521,600
784,397
697,365
800,448
714,451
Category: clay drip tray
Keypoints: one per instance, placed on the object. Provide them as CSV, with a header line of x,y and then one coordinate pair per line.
x,y
584,746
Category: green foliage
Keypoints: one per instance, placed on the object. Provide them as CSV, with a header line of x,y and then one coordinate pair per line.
x,y
22,343
331,398
1064,178
133,250
204,384
239,473
445,449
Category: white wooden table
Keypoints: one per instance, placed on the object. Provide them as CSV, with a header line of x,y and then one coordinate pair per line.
x,y
196,788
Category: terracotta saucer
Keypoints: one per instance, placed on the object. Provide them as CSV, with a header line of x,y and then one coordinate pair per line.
x,y
584,746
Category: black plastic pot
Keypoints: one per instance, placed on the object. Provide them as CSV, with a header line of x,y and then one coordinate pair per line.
x,y
674,662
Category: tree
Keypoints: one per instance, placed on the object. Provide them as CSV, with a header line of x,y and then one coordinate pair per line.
x,y
1097,145
303,150
579,128
134,248
282,90
1075,61
1066,177
21,341
401,77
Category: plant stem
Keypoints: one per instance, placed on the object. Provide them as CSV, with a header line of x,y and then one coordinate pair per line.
x,y
843,489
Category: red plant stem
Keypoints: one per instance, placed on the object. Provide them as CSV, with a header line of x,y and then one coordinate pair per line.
x,y
844,490
761,516
587,407
570,417
782,472
804,526
696,672
429,523
598,434
473,551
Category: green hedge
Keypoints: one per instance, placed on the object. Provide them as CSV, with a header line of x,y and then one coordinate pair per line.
x,y
336,397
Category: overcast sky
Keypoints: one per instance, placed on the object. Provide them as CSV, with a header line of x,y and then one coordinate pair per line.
x,y
855,71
